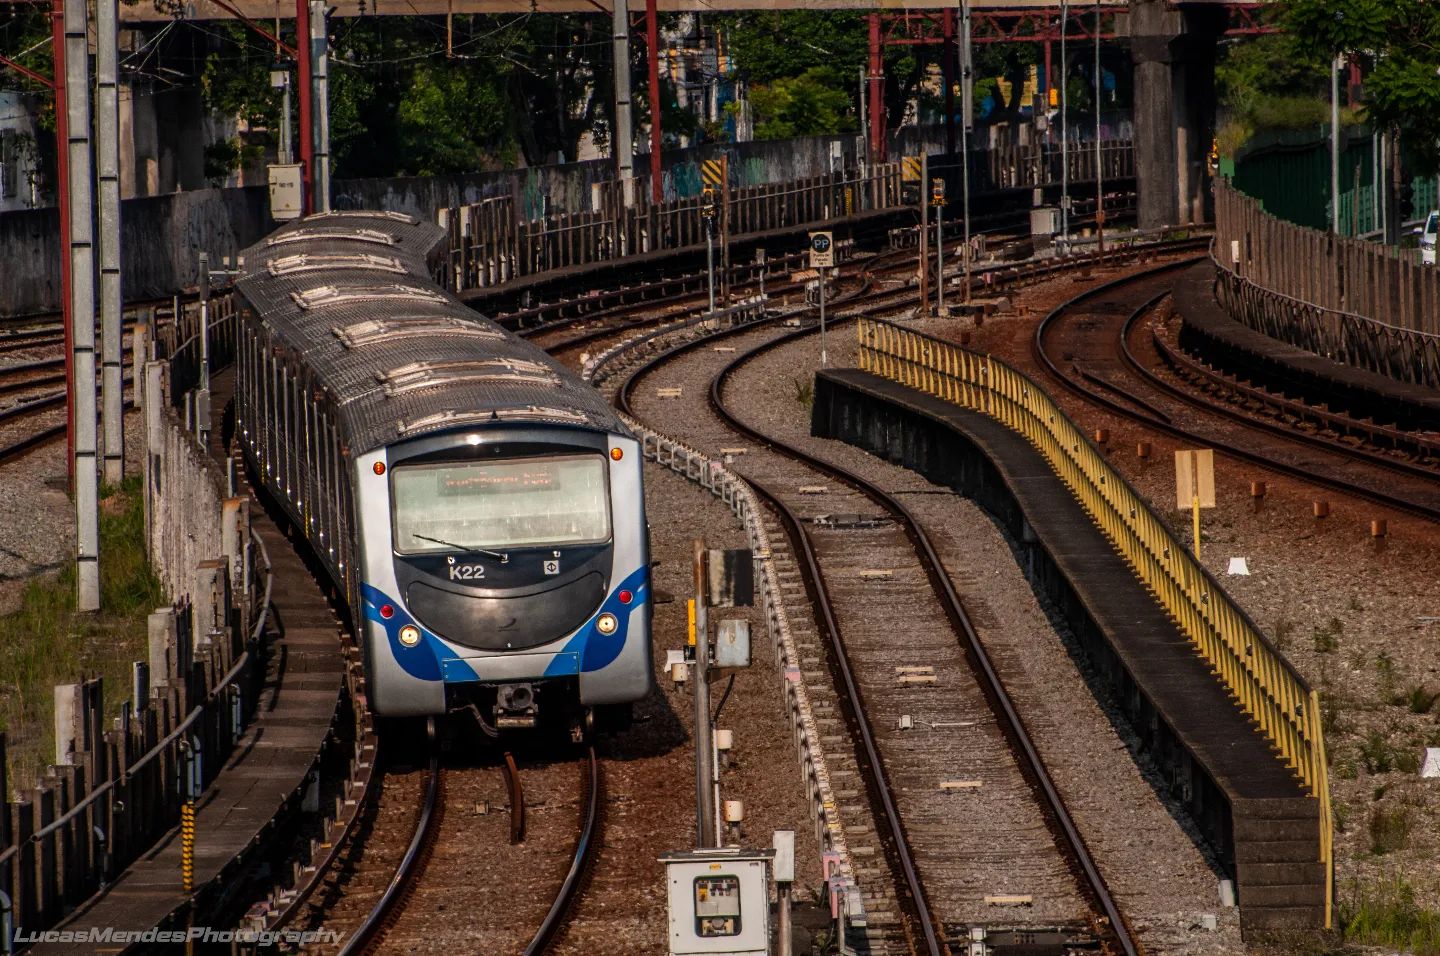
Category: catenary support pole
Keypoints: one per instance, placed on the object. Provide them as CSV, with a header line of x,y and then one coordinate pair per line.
x,y
305,84
877,94
1099,168
947,76
652,43
107,161
62,163
967,78
1064,131
82,298
924,232
320,108
622,145
1335,65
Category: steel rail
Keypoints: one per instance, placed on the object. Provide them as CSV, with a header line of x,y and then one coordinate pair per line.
x,y
410,863
993,686
584,852
1050,364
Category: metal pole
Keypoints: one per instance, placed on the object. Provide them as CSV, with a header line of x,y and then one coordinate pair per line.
x,y
652,41
782,920
924,232
82,298
320,64
864,126
307,129
287,147
704,793
1335,145
1064,130
966,79
947,76
62,163
710,261
1099,172
622,144
824,357
107,150
877,94
939,260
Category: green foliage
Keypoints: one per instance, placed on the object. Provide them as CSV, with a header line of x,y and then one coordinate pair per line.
x,y
47,643
1379,755
1421,699
1402,91
806,105
804,391
1386,914
1327,638
452,119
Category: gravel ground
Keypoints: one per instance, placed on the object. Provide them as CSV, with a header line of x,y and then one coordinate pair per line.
x,y
650,771
1361,624
1142,842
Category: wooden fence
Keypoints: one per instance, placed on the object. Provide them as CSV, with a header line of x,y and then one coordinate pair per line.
x,y
1366,305
118,783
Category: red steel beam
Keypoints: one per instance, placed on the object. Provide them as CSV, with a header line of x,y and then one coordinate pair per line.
x,y
876,93
307,131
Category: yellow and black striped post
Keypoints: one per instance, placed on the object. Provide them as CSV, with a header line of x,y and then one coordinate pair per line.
x,y
187,846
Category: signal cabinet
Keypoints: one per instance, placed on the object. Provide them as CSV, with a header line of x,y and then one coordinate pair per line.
x,y
719,901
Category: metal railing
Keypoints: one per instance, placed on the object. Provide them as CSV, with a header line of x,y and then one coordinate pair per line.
x,y
1267,687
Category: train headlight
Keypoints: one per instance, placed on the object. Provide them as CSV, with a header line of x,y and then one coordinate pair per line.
x,y
409,635
606,623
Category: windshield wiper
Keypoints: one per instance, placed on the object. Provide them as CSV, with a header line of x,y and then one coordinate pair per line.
x,y
504,558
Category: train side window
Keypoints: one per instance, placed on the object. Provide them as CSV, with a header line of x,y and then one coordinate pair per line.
x,y
717,906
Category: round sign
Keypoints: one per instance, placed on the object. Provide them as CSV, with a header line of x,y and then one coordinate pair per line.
x,y
820,242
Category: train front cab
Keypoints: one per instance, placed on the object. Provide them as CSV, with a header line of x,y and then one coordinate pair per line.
x,y
505,569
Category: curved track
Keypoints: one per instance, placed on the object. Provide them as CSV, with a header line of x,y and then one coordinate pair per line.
x,y
1090,345
1105,918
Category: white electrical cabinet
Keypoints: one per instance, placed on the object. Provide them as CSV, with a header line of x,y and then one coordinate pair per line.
x,y
719,901
285,192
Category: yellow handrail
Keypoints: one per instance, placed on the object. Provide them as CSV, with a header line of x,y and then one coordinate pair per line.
x,y
1262,681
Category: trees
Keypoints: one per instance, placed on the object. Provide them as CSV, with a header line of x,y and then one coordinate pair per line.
x,y
1401,40
812,104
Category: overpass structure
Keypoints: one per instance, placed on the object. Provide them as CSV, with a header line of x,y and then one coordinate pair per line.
x,y
1172,46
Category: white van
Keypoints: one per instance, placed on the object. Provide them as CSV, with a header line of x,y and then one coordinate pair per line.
x,y
1427,238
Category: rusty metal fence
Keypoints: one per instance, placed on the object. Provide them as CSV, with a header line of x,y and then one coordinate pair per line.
x,y
489,243
1362,304
1267,687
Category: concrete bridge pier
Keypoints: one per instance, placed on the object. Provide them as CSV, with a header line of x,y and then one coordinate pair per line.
x,y
1173,49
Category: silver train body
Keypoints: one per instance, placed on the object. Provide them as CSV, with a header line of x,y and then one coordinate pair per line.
x,y
478,505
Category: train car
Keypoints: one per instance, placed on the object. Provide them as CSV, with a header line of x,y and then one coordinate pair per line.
x,y
477,504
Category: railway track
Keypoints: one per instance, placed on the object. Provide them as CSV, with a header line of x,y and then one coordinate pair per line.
x,y
409,863
869,581
1098,346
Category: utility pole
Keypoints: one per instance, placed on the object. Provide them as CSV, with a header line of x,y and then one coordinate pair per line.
x,y
966,128
652,41
280,78
1335,63
1099,170
707,217
704,746
62,164
877,94
947,76
82,304
107,154
1064,131
622,145
307,126
320,64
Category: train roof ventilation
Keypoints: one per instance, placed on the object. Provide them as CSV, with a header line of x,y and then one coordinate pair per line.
x,y
514,413
327,295
424,374
391,215
374,236
397,328
308,262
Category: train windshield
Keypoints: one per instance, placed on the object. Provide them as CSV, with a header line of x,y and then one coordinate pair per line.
x,y
519,502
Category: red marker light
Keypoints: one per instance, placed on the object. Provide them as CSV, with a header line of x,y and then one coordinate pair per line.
x,y
386,611
379,468
626,597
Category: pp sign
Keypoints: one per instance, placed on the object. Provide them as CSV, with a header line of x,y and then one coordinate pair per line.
x,y
822,250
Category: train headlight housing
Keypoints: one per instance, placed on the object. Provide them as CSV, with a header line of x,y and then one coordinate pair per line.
x,y
606,623
409,635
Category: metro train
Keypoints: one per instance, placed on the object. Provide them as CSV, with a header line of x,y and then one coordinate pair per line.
x,y
478,506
